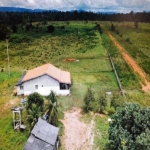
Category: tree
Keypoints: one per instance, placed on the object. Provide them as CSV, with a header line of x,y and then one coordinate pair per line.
x,y
3,32
33,115
35,98
89,99
50,28
51,111
14,28
129,128
116,101
52,97
34,108
102,101
112,27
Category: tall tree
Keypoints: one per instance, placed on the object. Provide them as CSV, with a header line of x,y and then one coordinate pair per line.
x,y
51,111
35,98
34,108
102,101
89,99
129,128
33,115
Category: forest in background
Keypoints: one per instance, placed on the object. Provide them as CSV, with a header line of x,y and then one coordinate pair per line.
x,y
14,18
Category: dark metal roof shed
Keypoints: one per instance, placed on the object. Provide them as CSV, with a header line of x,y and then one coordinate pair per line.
x,y
43,136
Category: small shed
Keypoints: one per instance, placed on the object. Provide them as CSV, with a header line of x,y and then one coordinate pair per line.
x,y
44,136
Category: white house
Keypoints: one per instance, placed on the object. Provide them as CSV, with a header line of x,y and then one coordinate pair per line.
x,y
44,79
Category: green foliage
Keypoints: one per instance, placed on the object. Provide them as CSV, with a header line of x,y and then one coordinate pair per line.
x,y
102,101
101,132
34,108
50,28
143,141
52,97
51,111
129,127
89,99
112,27
35,98
33,113
116,101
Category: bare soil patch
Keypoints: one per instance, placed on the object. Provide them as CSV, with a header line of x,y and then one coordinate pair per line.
x,y
9,104
69,60
132,63
77,134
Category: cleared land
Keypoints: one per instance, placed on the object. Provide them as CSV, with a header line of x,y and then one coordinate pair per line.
x,y
133,64
78,41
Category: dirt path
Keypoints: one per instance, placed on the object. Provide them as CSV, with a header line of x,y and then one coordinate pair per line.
x,y
9,104
77,134
132,63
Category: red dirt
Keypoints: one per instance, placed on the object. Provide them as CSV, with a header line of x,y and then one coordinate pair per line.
x,y
69,60
132,63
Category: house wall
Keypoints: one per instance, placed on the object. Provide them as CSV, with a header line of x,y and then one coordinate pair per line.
x,y
45,85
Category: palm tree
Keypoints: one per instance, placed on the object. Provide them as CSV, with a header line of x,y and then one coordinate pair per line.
x,y
51,111
52,97
33,114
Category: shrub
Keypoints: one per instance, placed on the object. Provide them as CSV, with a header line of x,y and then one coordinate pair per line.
x,y
50,28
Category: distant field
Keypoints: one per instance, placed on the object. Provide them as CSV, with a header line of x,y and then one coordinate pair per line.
x,y
135,41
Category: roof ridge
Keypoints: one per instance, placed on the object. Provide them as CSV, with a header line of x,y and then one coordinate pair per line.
x,y
47,68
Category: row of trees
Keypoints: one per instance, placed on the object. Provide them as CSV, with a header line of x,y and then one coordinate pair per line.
x,y
11,18
37,108
99,104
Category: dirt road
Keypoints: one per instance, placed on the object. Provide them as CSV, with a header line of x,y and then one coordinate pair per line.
x,y
132,63
77,134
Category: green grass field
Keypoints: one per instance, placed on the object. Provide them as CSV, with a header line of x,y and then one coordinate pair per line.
x,y
135,41
30,49
78,40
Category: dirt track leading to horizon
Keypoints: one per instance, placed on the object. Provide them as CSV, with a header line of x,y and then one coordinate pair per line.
x,y
131,62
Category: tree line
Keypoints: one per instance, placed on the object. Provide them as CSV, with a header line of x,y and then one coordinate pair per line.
x,y
11,18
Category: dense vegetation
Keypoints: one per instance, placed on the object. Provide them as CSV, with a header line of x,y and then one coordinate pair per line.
x,y
130,128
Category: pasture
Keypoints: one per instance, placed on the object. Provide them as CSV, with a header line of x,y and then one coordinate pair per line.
x,y
80,41
135,41
77,40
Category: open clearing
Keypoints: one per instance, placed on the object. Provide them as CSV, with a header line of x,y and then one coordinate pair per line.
x,y
77,134
132,63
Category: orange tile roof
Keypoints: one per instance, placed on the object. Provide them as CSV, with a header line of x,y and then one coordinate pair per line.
x,y
49,69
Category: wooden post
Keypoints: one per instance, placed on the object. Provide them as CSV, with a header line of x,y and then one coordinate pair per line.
x,y
8,57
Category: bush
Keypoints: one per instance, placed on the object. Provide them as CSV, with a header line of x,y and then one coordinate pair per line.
x,y
50,28
35,98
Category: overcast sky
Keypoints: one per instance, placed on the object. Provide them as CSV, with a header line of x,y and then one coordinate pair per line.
x,y
93,5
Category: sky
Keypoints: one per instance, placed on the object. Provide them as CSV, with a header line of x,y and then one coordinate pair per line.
x,y
123,6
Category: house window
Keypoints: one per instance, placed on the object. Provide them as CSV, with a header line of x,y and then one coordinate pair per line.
x,y
64,86
21,87
36,87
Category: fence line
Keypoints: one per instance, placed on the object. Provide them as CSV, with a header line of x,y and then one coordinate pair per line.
x,y
119,83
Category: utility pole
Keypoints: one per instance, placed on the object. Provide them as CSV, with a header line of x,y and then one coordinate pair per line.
x,y
8,56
